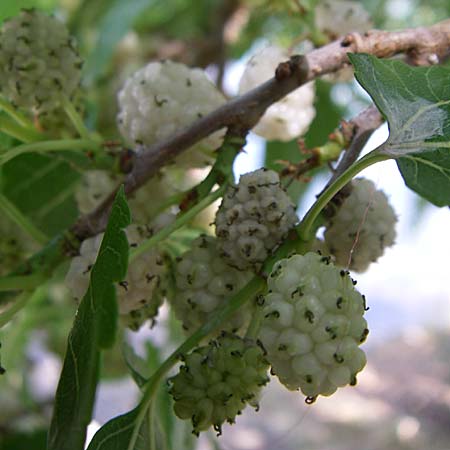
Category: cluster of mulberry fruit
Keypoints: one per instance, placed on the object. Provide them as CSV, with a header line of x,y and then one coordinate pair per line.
x,y
313,324
362,227
39,61
217,381
253,219
163,98
142,292
312,316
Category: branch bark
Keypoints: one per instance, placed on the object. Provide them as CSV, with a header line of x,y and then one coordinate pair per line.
x,y
363,125
422,46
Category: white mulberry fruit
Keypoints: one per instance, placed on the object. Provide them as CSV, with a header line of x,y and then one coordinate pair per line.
x,y
163,98
140,294
94,188
39,61
362,227
288,118
145,203
337,18
203,283
254,217
340,17
313,324
218,380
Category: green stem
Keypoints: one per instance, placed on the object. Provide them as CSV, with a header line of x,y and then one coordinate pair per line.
x,y
49,146
16,216
179,222
20,118
307,223
21,282
19,132
174,199
255,324
251,289
221,172
75,118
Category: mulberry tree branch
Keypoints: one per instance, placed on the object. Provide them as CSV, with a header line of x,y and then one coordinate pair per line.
x,y
421,46
361,128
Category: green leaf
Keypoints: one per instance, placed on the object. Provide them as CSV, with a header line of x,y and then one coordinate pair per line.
x,y
94,328
141,370
42,188
118,432
11,8
137,366
33,440
420,170
77,385
416,104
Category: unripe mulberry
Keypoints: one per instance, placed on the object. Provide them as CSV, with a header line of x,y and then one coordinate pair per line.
x,y
163,98
142,292
288,118
313,324
39,61
363,226
203,283
218,380
254,217
57,123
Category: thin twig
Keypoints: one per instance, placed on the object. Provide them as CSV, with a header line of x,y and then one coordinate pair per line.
x,y
362,127
421,45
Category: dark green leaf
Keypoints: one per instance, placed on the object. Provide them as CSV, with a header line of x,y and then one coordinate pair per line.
x,y
328,115
42,188
35,440
118,432
416,103
77,385
110,266
94,327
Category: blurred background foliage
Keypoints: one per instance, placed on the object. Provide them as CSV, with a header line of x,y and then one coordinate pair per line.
x,y
116,37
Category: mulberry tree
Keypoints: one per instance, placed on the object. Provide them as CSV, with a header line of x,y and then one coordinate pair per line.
x,y
121,213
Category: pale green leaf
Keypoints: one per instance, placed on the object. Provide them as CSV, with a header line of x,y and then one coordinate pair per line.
x,y
416,104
